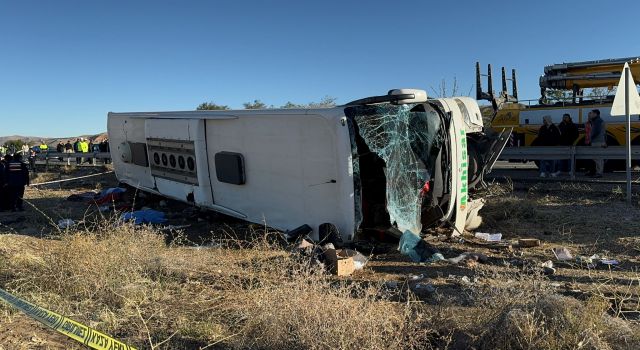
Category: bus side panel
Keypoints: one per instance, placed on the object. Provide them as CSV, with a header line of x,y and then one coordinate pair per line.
x,y
295,173
124,131
180,138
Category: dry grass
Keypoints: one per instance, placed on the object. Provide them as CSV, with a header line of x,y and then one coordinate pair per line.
x,y
129,282
126,281
558,322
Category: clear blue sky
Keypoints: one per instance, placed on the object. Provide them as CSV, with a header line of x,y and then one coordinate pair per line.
x,y
64,64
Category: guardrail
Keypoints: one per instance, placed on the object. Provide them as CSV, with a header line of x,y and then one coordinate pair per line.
x,y
571,153
71,157
99,155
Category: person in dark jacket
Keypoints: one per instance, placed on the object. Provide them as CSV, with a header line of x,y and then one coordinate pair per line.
x,y
568,136
17,175
104,147
68,148
32,160
60,149
76,148
548,135
598,138
3,190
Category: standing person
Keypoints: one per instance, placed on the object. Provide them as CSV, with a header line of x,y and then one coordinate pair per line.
x,y
104,147
598,136
89,150
568,136
76,149
32,160
548,135
68,148
17,179
60,149
44,148
3,182
4,198
84,148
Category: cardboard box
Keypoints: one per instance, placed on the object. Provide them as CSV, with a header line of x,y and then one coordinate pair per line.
x,y
338,262
528,242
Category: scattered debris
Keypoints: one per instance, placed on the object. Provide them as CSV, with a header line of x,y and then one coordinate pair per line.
x,y
413,246
103,197
109,195
562,254
338,263
359,260
528,242
427,287
304,244
469,256
416,277
462,279
65,223
489,237
293,235
548,268
588,260
609,262
82,197
145,216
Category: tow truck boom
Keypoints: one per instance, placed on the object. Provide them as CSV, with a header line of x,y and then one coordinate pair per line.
x,y
587,74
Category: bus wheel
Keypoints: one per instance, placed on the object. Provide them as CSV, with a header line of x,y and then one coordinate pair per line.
x,y
474,168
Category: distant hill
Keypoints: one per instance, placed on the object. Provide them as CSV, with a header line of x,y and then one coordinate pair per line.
x,y
52,141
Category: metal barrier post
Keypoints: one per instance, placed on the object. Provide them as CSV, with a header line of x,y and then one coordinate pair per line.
x,y
572,159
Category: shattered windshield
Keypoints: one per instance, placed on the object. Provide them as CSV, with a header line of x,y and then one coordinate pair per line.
x,y
401,144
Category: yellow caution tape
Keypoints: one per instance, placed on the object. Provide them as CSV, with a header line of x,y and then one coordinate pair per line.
x,y
72,329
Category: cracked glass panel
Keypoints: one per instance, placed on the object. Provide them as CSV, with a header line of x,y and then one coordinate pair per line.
x,y
402,143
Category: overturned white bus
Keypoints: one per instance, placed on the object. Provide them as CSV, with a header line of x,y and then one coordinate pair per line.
x,y
397,160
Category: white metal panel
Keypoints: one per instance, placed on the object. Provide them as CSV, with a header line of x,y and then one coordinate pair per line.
x,y
121,130
183,130
474,122
298,169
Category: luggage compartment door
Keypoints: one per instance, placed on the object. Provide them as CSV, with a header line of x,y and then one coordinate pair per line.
x,y
178,159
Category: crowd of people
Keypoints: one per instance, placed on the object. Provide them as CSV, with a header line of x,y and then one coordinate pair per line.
x,y
14,172
566,134
14,176
81,145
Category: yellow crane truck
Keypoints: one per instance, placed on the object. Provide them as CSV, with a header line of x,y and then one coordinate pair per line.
x,y
567,81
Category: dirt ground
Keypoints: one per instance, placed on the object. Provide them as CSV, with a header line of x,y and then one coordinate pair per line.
x,y
586,219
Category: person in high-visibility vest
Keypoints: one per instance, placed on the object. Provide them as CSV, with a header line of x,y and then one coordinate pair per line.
x,y
84,148
44,148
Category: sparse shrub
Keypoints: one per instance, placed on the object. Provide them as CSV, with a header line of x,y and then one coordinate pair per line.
x,y
558,322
